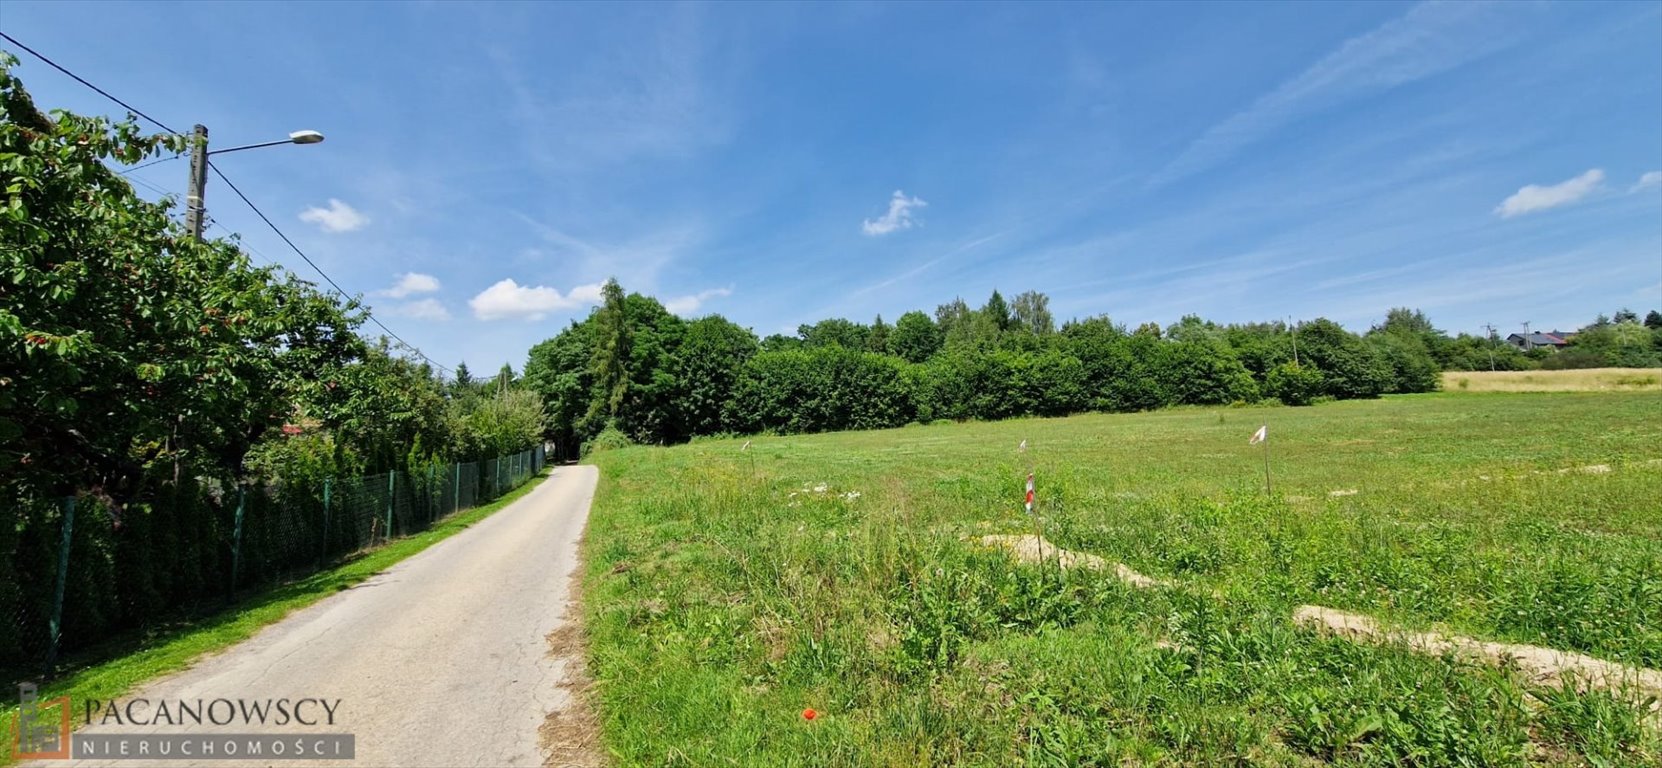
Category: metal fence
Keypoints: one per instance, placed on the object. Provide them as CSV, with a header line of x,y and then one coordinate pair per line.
x,y
79,571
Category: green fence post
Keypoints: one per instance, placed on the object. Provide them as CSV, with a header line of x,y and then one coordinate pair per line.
x,y
236,543
327,483
392,477
432,494
456,493
56,624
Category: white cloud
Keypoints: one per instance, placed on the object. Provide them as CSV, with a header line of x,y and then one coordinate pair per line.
x,y
1651,179
686,305
338,217
421,309
510,299
411,283
898,217
1429,39
1538,198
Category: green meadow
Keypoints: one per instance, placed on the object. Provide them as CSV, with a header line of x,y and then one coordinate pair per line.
x,y
729,590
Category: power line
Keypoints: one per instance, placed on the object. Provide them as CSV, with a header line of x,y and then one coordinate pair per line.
x,y
126,171
326,277
152,187
268,222
79,79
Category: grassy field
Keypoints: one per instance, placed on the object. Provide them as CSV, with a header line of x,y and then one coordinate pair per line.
x,y
1580,380
729,591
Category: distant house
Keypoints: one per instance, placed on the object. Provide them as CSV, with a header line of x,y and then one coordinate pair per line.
x,y
1536,339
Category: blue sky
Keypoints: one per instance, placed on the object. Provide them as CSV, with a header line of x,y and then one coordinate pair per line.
x,y
781,164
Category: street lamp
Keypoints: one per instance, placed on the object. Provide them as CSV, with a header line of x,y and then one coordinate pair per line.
x,y
199,153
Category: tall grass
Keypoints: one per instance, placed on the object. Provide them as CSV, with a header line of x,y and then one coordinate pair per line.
x,y
1576,380
840,574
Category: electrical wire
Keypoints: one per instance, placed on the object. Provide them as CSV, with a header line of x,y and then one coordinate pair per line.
x,y
326,277
228,182
79,79
125,171
152,187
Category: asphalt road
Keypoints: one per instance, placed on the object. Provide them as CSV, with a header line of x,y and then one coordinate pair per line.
x,y
442,660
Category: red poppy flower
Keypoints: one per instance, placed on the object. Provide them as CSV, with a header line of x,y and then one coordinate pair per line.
x,y
809,714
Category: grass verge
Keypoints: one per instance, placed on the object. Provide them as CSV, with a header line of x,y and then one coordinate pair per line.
x,y
124,668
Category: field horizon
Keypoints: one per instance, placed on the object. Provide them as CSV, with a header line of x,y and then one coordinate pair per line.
x,y
728,590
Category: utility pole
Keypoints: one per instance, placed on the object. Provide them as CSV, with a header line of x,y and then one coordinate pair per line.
x,y
1490,327
1294,330
194,209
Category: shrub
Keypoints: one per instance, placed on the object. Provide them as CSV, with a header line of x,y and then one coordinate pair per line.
x,y
1412,368
820,389
1204,372
1294,384
1351,368
609,439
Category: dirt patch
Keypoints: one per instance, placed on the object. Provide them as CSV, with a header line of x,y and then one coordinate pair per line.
x,y
1539,665
1029,548
570,735
1591,469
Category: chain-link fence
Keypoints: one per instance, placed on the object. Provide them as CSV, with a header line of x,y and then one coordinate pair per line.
x,y
80,570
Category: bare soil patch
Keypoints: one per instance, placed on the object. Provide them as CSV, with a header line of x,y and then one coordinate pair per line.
x,y
570,735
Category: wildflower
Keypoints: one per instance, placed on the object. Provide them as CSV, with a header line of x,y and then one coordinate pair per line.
x,y
809,714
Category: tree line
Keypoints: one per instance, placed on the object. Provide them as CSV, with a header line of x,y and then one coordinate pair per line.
x,y
148,375
132,349
633,371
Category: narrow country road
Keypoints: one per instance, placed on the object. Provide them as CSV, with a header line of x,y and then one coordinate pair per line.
x,y
442,660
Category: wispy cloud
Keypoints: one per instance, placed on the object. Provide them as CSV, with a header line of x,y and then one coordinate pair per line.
x,y
509,299
338,217
1534,197
687,305
638,259
1431,38
648,96
1646,181
421,309
899,215
924,267
1516,283
409,284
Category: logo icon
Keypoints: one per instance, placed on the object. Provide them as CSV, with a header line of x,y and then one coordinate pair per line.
x,y
41,734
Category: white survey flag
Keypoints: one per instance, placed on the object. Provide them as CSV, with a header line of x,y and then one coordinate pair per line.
x,y
1260,436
